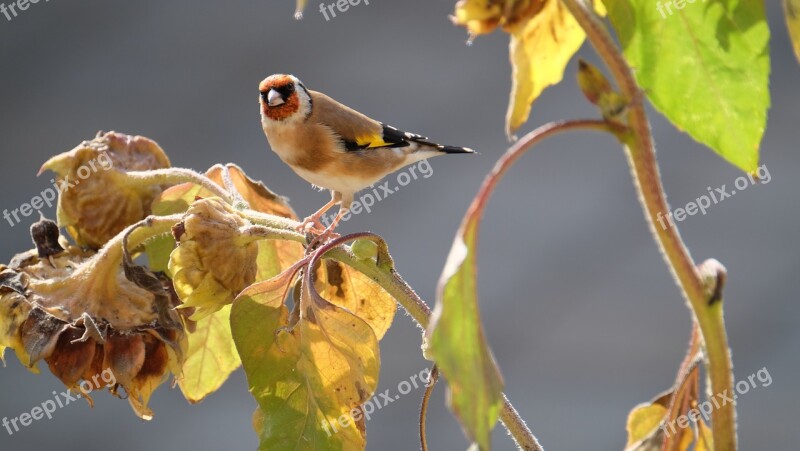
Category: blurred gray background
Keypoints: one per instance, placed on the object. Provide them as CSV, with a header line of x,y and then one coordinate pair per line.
x,y
580,309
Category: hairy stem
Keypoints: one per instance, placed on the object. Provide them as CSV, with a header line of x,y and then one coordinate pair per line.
x,y
271,221
171,176
391,281
641,156
109,258
423,409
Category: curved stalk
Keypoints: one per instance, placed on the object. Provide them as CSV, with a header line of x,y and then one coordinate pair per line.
x,y
640,150
394,284
170,176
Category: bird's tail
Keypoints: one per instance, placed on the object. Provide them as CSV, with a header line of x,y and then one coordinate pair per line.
x,y
441,148
454,149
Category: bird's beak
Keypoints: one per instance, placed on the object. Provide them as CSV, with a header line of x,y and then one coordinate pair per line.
x,y
274,98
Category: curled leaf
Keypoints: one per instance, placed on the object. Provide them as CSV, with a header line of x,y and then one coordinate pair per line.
x,y
458,344
540,50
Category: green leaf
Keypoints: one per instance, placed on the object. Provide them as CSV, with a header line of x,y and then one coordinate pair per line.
x,y
310,376
173,200
211,356
458,345
704,66
158,251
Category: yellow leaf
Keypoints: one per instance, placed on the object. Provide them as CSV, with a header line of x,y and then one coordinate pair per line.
x,y
298,12
14,311
211,356
643,421
540,50
705,438
352,290
792,10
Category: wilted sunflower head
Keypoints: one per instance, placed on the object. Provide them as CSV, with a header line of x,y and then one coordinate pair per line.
x,y
88,322
97,198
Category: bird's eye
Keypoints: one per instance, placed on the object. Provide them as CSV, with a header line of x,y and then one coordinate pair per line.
x,y
290,87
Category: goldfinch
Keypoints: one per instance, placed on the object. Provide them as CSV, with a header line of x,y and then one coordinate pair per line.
x,y
335,147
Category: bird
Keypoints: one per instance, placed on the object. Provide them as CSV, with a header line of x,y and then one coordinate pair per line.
x,y
333,146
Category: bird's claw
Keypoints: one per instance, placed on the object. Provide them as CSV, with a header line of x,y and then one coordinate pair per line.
x,y
311,224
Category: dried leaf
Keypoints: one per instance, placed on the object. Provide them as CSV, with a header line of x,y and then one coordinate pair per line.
x,y
360,295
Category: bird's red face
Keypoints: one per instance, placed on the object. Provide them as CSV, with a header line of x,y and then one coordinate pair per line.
x,y
279,98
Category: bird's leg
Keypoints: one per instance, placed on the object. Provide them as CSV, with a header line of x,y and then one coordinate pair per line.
x,y
314,219
329,234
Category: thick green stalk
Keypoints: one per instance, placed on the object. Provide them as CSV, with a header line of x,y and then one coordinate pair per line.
x,y
641,156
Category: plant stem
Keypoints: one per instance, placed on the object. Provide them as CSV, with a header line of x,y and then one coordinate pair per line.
x,y
170,176
260,232
272,221
109,258
423,409
391,281
641,157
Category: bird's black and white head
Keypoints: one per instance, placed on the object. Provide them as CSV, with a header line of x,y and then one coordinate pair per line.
x,y
283,98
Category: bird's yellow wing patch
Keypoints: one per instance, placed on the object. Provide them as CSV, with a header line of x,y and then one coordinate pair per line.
x,y
372,141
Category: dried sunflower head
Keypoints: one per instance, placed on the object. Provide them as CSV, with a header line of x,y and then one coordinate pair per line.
x,y
92,325
213,262
483,16
97,199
